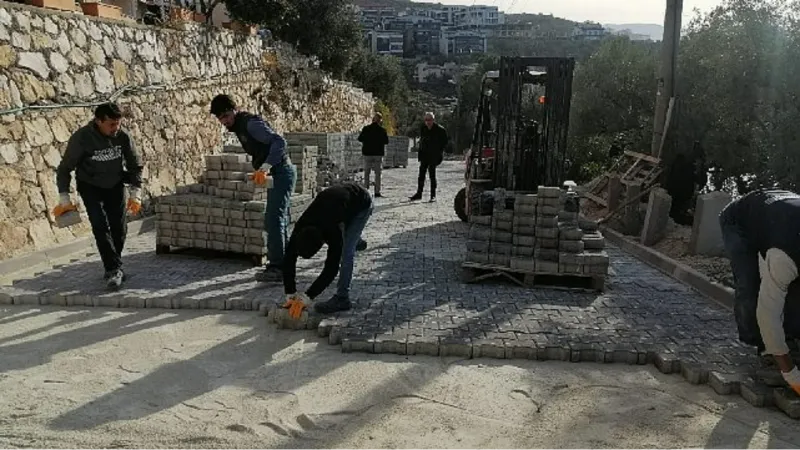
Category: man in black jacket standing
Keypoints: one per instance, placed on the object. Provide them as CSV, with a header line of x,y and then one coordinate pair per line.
x,y
104,160
374,140
336,217
433,140
268,150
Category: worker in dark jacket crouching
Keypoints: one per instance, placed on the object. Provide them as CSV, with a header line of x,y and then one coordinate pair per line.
x,y
336,217
761,233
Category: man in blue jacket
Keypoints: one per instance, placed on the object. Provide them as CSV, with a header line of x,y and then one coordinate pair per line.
x,y
268,150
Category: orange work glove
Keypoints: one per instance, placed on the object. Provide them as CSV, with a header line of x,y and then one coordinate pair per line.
x,y
134,201
259,177
64,206
793,379
134,206
60,210
296,303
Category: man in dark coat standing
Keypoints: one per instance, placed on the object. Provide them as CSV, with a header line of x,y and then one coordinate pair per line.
x,y
374,140
432,143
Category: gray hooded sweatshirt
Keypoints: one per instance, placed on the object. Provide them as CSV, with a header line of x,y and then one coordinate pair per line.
x,y
99,160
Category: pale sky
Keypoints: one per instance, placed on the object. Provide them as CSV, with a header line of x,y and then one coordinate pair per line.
x,y
603,11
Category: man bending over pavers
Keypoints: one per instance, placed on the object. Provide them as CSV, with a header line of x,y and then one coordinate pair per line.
x,y
336,217
104,160
268,150
761,233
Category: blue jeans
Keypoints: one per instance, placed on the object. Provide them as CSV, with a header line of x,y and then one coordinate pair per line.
x,y
278,214
746,279
352,235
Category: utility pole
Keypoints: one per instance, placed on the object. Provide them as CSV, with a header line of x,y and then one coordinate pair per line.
x,y
666,80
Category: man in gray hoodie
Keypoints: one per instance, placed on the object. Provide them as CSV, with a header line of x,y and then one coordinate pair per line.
x,y
104,160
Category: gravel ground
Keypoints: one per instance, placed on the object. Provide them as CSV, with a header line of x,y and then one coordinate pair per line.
x,y
110,378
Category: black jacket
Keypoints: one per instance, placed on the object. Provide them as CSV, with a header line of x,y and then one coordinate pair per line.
x,y
769,219
331,212
374,140
99,160
432,144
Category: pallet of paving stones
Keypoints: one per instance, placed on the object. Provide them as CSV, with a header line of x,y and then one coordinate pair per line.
x,y
332,159
474,273
397,152
305,158
536,239
224,212
201,221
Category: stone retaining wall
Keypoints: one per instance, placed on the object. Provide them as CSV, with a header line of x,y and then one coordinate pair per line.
x,y
165,78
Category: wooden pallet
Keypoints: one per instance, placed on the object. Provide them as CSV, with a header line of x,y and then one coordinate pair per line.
x,y
633,168
256,260
476,272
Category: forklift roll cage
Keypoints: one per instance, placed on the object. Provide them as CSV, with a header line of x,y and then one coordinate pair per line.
x,y
522,150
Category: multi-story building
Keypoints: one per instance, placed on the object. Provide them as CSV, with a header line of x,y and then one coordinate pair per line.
x,y
589,31
478,15
462,42
430,29
386,42
422,39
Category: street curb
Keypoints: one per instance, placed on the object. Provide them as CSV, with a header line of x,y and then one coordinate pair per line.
x,y
712,290
46,258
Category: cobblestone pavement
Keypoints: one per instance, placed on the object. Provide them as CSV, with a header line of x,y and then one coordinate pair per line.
x,y
409,299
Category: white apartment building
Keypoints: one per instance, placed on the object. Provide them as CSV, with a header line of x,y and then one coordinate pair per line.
x,y
480,15
589,31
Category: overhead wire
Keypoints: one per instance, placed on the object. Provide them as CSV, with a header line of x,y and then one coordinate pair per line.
x,y
127,89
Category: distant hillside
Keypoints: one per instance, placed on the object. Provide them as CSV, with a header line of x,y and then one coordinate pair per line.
x,y
547,22
656,32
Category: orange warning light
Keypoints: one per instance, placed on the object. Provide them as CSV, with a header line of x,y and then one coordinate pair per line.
x,y
542,100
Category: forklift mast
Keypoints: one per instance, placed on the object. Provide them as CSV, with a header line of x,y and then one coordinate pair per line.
x,y
531,144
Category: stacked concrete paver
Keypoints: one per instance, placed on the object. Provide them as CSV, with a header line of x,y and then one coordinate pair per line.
x,y
306,159
397,152
226,211
536,234
332,162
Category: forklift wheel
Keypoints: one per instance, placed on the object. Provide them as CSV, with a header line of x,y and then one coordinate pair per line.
x,y
460,205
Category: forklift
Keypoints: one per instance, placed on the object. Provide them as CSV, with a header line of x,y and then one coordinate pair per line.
x,y
520,136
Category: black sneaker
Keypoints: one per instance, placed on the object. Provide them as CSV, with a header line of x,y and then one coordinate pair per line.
x,y
334,305
361,246
272,274
415,197
433,199
116,279
378,195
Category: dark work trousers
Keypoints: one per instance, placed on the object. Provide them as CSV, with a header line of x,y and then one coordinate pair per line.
x,y
430,169
278,213
746,279
106,211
